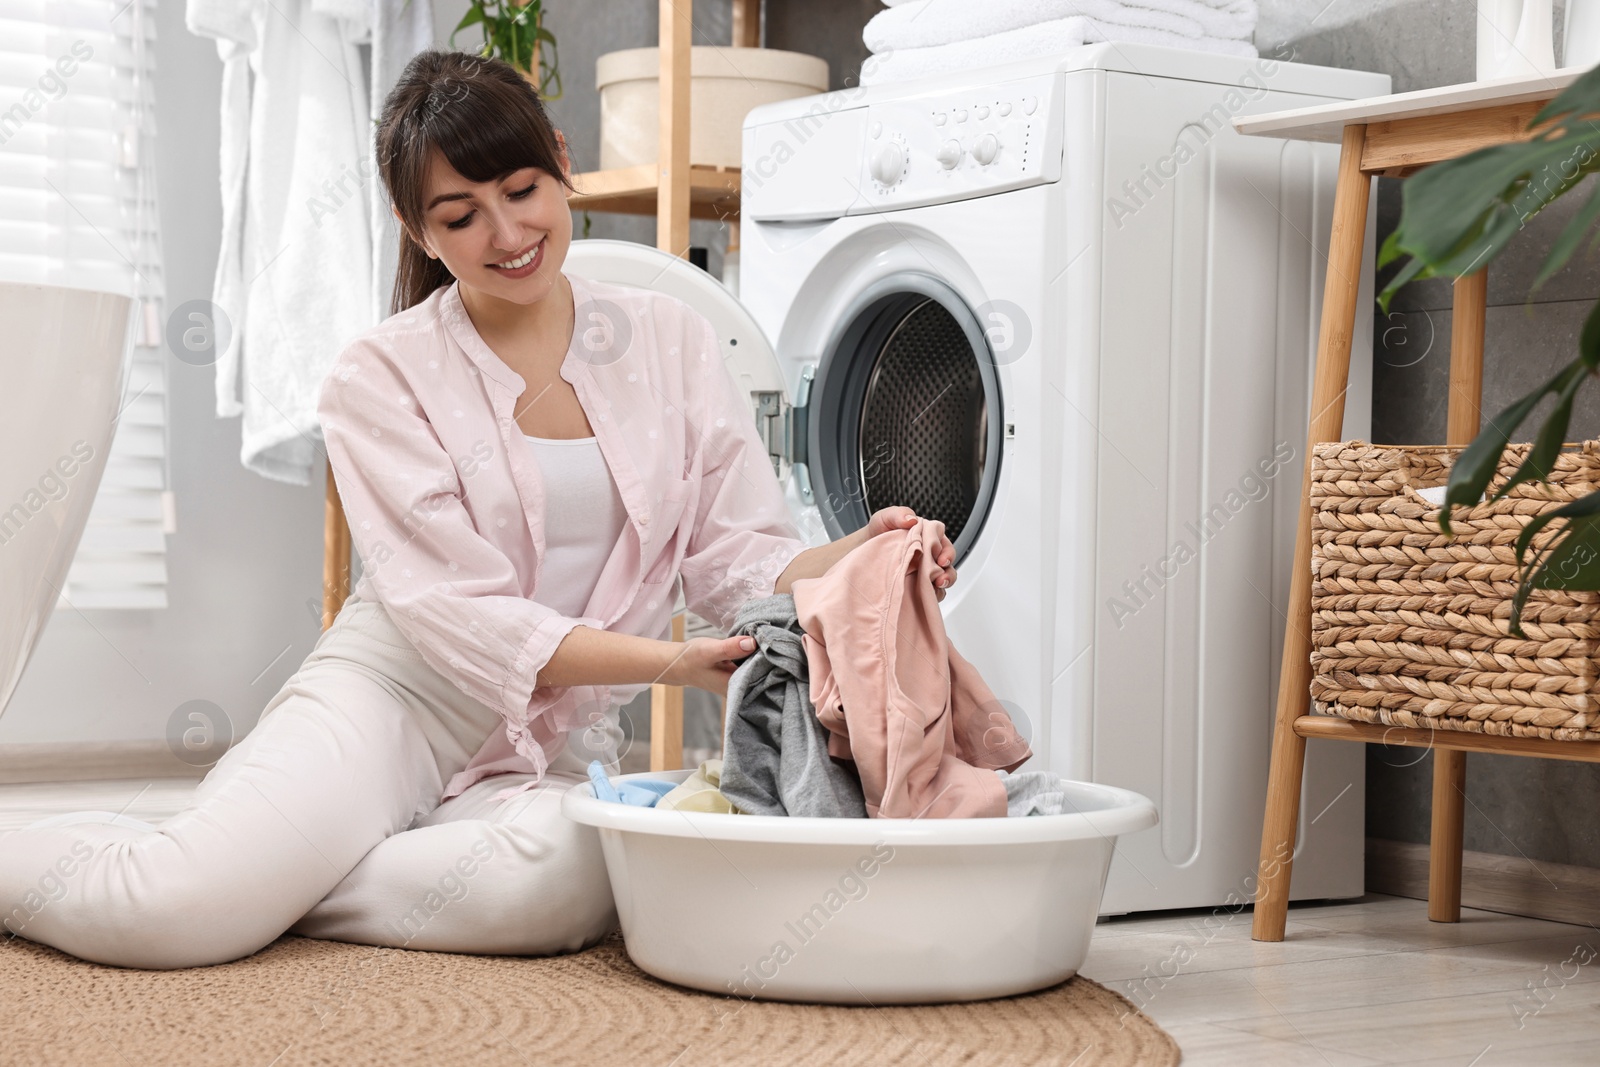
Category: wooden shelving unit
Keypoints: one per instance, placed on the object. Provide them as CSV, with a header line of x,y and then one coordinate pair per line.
x,y
673,189
713,192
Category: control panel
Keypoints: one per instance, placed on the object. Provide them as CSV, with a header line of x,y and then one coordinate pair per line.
x,y
954,144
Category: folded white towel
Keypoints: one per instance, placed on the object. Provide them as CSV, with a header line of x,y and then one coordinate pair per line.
x,y
1045,38
1217,18
925,23
1221,6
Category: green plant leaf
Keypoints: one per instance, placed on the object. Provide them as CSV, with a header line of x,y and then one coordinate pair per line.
x,y
1541,458
1459,215
555,71
1589,339
1567,242
1571,561
1415,269
1475,466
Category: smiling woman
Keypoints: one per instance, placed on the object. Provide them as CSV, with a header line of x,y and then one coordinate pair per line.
x,y
466,685
444,165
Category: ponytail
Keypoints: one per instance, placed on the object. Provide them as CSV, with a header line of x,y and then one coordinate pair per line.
x,y
417,276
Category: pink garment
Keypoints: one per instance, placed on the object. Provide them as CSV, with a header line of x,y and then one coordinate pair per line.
x,y
447,506
924,730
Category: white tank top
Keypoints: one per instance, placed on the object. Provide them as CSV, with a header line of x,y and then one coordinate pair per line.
x,y
584,517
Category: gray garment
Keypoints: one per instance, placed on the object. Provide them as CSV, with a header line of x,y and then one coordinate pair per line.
x,y
1034,793
775,752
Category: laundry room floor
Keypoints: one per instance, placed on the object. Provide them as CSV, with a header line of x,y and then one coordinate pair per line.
x,y
1370,981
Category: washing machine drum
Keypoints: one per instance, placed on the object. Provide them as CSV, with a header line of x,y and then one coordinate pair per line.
x,y
906,410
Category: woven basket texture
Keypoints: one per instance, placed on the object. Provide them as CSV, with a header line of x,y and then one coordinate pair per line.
x,y
1411,627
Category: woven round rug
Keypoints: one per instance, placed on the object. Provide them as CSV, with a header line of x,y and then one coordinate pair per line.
x,y
301,1001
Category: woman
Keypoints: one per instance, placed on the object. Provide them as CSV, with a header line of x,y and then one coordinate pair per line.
x,y
529,462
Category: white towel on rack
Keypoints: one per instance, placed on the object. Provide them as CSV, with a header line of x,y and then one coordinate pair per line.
x,y
301,204
927,23
1045,38
294,273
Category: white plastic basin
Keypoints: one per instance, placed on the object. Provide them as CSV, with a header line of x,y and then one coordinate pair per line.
x,y
855,911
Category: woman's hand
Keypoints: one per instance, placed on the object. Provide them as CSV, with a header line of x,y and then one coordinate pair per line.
x,y
901,517
707,662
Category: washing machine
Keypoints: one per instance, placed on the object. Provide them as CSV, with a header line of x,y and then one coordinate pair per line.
x,y
1062,306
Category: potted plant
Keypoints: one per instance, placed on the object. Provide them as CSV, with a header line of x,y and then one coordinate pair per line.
x,y
1457,217
514,30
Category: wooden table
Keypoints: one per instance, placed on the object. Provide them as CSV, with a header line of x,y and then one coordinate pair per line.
x,y
1392,136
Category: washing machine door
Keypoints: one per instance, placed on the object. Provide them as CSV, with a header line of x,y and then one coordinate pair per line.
x,y
905,409
746,352
903,406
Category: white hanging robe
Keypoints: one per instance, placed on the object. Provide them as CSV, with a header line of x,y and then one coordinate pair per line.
x,y
300,201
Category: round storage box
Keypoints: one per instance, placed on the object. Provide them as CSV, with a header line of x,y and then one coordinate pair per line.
x,y
860,911
724,84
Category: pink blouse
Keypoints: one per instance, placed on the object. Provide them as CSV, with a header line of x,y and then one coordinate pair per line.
x,y
447,509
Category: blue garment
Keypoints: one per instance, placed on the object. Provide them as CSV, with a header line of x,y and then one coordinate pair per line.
x,y
641,794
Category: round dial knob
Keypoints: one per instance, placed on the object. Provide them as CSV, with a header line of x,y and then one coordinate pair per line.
x,y
949,154
986,149
888,163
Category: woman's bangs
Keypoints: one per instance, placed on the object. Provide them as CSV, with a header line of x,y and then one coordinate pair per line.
x,y
485,143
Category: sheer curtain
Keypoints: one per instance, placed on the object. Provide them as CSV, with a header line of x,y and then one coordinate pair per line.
x,y
78,209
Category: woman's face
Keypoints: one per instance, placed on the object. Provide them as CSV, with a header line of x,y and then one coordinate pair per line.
x,y
506,238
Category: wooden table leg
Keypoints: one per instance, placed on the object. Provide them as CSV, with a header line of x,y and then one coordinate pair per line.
x,y
1450,766
672,159
1341,290
1466,358
1445,837
747,23
335,554
666,717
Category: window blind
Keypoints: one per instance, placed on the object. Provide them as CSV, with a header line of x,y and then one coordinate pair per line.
x,y
78,209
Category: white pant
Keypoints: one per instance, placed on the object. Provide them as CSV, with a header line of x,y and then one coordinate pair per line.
x,y
325,821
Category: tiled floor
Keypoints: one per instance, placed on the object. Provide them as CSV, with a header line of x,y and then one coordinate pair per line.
x,y
1369,982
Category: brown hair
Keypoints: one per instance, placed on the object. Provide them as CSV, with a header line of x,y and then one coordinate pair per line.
x,y
483,116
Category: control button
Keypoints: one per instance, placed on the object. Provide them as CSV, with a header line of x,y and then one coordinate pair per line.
x,y
983,112
1005,109
949,154
876,129
1029,103
961,114
986,149
888,163
940,119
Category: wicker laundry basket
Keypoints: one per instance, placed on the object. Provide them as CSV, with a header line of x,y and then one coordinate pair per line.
x,y
1411,627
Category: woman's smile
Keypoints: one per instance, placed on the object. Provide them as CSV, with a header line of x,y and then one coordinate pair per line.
x,y
523,264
